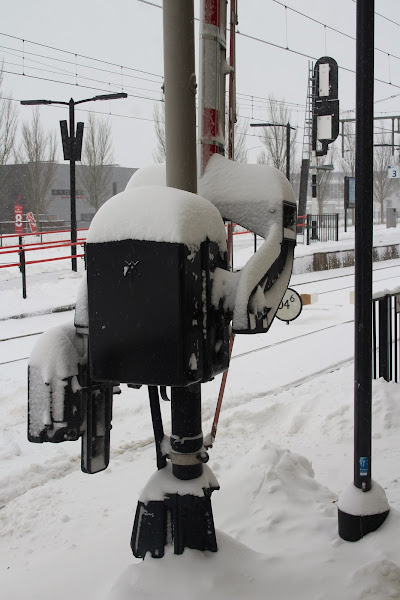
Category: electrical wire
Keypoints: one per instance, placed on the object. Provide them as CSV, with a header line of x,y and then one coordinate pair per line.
x,y
81,55
331,28
383,17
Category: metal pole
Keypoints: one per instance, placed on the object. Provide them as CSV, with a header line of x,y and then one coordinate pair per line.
x,y
72,182
384,337
180,138
363,244
180,94
288,152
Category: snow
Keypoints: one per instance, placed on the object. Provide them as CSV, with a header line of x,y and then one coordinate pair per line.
x,y
157,214
54,358
283,456
226,184
163,482
354,501
151,175
250,195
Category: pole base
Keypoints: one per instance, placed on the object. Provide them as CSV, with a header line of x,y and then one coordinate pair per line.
x,y
360,513
354,527
186,521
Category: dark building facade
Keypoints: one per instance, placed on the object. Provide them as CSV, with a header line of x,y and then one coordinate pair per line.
x,y
57,200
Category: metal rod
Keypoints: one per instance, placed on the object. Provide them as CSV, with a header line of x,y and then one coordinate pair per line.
x,y
72,189
395,349
22,266
363,243
374,338
158,428
384,338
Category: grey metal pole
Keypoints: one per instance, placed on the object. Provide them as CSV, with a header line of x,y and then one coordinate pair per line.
x,y
72,190
181,171
180,94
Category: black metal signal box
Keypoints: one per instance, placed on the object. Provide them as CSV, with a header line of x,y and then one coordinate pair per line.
x,y
151,320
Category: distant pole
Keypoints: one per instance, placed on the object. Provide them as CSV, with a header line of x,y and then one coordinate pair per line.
x,y
72,190
72,147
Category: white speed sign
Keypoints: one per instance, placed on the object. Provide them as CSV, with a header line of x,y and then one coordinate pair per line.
x,y
290,306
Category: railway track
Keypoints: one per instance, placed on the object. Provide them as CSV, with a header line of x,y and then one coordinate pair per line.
x,y
297,286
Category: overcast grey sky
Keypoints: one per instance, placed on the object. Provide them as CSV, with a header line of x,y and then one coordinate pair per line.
x,y
127,36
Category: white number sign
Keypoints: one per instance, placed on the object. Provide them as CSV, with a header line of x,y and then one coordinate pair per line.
x,y
394,172
290,306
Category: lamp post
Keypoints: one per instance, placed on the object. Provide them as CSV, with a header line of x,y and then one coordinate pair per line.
x,y
288,128
72,147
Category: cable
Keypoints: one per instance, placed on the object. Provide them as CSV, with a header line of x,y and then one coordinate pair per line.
x,y
256,39
81,55
79,85
83,66
76,77
383,17
331,28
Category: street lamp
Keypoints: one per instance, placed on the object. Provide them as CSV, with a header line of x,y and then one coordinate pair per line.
x,y
288,128
72,148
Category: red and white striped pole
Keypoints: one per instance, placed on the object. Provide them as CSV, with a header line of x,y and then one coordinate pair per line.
x,y
213,69
232,80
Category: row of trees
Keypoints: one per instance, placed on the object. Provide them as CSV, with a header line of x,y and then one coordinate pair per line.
x,y
34,148
273,140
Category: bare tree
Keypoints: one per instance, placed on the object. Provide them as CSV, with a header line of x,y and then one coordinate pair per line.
x,y
240,151
324,180
383,185
95,173
239,140
38,153
8,128
159,127
347,161
273,137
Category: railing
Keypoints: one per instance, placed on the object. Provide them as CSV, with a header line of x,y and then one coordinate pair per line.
x,y
322,228
385,335
21,249
4,239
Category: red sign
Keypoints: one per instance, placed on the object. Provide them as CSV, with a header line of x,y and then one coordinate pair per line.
x,y
19,230
32,221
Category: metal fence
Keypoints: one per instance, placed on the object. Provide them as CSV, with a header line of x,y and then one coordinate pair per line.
x,y
322,228
385,334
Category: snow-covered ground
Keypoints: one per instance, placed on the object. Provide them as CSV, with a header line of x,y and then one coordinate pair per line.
x,y
283,454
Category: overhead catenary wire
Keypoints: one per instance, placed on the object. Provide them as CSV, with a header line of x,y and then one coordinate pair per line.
x,y
326,26
24,40
130,73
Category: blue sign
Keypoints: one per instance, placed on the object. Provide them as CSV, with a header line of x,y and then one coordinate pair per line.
x,y
363,466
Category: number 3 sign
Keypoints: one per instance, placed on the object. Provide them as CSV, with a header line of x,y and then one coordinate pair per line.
x,y
290,306
394,172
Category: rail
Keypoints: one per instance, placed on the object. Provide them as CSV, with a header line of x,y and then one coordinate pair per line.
x,y
40,234
22,249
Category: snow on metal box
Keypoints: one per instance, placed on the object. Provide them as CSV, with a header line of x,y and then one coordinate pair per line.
x,y
150,315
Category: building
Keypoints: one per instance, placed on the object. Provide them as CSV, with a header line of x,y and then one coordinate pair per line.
x,y
57,199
